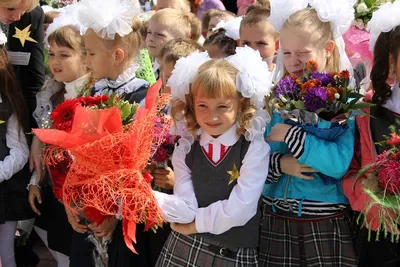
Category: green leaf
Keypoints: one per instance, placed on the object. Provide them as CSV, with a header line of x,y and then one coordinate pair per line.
x,y
320,110
125,110
298,104
361,105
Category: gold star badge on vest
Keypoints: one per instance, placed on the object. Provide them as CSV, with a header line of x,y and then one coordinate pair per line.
x,y
234,174
24,35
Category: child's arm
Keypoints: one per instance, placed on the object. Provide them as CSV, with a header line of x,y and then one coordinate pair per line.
x,y
182,205
330,158
19,150
243,201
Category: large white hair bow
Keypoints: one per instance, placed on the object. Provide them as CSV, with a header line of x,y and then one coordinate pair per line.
x,y
184,73
107,17
254,80
231,27
282,9
68,17
383,20
340,14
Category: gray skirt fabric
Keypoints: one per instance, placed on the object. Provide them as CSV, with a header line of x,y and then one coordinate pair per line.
x,y
185,251
309,243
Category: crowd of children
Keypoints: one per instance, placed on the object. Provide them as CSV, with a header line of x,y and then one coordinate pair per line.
x,y
243,187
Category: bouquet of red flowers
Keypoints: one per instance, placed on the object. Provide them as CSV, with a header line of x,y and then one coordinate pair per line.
x,y
382,185
110,142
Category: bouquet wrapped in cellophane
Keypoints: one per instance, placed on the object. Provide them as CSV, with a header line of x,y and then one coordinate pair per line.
x,y
382,186
109,142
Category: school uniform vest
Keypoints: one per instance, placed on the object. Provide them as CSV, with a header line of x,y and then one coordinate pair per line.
x,y
14,204
211,184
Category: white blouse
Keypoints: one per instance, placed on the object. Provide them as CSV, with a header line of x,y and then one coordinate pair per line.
x,y
19,150
239,208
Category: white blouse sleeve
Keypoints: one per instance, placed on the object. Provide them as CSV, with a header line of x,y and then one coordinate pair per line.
x,y
242,203
19,151
182,205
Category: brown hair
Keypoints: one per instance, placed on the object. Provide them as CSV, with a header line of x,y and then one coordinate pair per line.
x,y
50,16
213,13
257,16
177,48
11,93
321,32
179,23
226,44
70,37
216,78
195,27
265,4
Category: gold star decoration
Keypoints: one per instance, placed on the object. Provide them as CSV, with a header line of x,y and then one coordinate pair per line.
x,y
24,35
1,122
234,173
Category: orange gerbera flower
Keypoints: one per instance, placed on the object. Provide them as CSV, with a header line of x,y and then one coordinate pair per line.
x,y
312,66
331,93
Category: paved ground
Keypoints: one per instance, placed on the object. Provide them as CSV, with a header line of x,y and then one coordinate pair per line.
x,y
46,259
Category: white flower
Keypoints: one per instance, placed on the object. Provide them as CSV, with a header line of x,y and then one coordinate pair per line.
x,y
362,8
281,97
337,95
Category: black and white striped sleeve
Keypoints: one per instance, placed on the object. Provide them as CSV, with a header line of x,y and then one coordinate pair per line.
x,y
275,171
295,139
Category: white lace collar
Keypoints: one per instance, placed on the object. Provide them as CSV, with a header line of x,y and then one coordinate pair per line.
x,y
393,104
125,83
74,88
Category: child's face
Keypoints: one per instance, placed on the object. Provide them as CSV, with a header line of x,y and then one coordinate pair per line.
x,y
66,64
98,59
214,51
212,24
166,71
216,115
157,35
298,47
260,38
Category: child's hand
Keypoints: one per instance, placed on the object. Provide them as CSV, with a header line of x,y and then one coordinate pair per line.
x,y
291,166
34,194
164,178
105,229
278,132
36,158
185,229
74,220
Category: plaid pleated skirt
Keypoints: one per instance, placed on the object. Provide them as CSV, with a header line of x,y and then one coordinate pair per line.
x,y
311,243
184,251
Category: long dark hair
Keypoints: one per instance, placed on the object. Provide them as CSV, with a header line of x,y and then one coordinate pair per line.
x,y
11,92
388,43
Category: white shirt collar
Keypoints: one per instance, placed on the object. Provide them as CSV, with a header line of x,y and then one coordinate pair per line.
x,y
229,138
393,104
74,88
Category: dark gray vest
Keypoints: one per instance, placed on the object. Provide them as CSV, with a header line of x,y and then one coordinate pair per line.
x,y
211,184
14,204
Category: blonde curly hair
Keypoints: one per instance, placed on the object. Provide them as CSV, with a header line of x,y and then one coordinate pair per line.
x,y
215,79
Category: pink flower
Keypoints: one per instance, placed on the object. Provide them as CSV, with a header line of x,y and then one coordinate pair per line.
x,y
161,155
394,140
389,176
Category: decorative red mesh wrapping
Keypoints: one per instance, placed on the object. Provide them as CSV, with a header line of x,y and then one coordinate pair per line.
x,y
108,159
